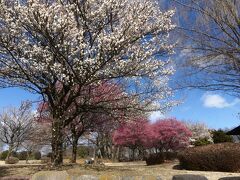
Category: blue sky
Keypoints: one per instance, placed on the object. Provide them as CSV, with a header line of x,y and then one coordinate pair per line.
x,y
14,97
215,109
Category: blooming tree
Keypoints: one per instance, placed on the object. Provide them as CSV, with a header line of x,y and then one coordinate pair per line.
x,y
45,44
169,134
133,134
163,135
199,132
108,94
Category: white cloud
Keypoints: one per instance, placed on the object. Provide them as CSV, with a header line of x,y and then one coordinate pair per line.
x,y
211,100
154,116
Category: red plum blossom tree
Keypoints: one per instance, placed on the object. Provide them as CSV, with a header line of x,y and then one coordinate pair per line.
x,y
163,135
169,134
133,134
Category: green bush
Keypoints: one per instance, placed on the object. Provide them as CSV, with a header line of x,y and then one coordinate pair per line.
x,y
214,157
82,151
154,159
3,155
202,142
23,155
12,160
37,155
219,136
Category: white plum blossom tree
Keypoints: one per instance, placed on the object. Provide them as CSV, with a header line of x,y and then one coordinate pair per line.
x,y
199,131
50,46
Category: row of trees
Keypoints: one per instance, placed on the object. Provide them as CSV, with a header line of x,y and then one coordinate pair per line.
x,y
161,136
64,50
165,135
23,130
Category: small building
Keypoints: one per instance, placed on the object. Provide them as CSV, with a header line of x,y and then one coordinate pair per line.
x,y
235,133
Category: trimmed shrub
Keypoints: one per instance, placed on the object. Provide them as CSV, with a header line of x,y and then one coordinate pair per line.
x,y
202,142
154,159
214,157
37,155
22,155
45,160
12,160
3,155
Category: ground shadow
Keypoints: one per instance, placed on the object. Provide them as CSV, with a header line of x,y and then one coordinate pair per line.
x,y
3,172
177,167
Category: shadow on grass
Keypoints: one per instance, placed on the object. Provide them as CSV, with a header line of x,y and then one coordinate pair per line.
x,y
3,172
177,167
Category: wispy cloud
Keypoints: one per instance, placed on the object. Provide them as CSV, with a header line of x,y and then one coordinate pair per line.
x,y
211,100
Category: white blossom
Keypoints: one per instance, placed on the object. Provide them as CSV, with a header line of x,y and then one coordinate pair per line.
x,y
84,42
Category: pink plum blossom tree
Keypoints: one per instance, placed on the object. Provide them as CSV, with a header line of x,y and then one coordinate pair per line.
x,y
161,136
169,134
132,134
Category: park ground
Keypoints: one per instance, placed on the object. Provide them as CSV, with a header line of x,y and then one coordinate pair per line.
x,y
166,170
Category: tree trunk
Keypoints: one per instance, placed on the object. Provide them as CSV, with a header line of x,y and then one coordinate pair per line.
x,y
133,151
27,157
57,142
74,149
118,153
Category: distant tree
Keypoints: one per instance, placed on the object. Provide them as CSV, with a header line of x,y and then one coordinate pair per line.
x,y
201,135
132,134
16,126
220,136
38,138
163,135
168,135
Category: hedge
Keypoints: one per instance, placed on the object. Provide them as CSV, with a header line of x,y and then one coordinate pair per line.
x,y
214,157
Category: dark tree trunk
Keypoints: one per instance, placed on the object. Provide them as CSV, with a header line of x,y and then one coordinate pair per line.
x,y
57,142
74,149
133,151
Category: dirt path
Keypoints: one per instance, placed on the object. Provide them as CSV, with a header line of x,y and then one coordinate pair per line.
x,y
165,171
